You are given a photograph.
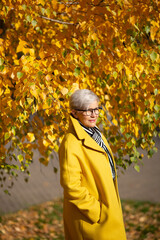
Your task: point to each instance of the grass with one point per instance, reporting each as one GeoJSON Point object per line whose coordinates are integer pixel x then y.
{"type": "Point", "coordinates": [44, 222]}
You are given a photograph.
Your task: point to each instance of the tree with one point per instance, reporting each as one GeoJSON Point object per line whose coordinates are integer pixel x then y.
{"type": "Point", "coordinates": [48, 49]}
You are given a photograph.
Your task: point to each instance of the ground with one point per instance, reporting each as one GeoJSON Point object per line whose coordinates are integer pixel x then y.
{"type": "Point", "coordinates": [44, 222]}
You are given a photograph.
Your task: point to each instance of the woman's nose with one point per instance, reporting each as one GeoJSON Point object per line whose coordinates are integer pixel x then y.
{"type": "Point", "coordinates": [93, 113]}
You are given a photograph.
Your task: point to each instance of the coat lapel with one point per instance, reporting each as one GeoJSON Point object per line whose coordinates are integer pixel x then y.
{"type": "Point", "coordinates": [81, 133]}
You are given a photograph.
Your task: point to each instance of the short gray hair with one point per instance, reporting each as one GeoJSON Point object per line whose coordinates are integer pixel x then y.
{"type": "Point", "coordinates": [82, 98]}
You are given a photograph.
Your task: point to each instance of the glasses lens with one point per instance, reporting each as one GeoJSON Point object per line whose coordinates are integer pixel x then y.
{"type": "Point", "coordinates": [91, 111]}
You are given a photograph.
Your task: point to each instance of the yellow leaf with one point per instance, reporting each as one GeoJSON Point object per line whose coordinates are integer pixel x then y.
{"type": "Point", "coordinates": [54, 3]}
{"type": "Point", "coordinates": [61, 7]}
{"type": "Point", "coordinates": [128, 73]}
{"type": "Point", "coordinates": [43, 96]}
{"type": "Point", "coordinates": [26, 68]}
{"type": "Point", "coordinates": [56, 72]}
{"type": "Point", "coordinates": [132, 20]}
{"type": "Point", "coordinates": [153, 32]}
{"type": "Point", "coordinates": [155, 23]}
{"type": "Point", "coordinates": [83, 26]}
{"type": "Point", "coordinates": [7, 91]}
{"type": "Point", "coordinates": [32, 52]}
{"type": "Point", "coordinates": [42, 2]}
{"type": "Point", "coordinates": [1, 91]}
{"type": "Point", "coordinates": [76, 58]}
{"type": "Point", "coordinates": [75, 86]}
{"type": "Point", "coordinates": [34, 91]}
{"type": "Point", "coordinates": [45, 106]}
{"type": "Point", "coordinates": [136, 130]}
{"type": "Point", "coordinates": [51, 138]}
{"type": "Point", "coordinates": [46, 143]}
{"type": "Point", "coordinates": [138, 74]}
{"type": "Point", "coordinates": [139, 67]}
{"type": "Point", "coordinates": [64, 91]}
{"type": "Point", "coordinates": [114, 121]}
{"type": "Point", "coordinates": [106, 97]}
{"type": "Point", "coordinates": [75, 40]}
{"type": "Point", "coordinates": [118, 52]}
{"type": "Point", "coordinates": [30, 137]}
{"type": "Point", "coordinates": [21, 46]}
{"type": "Point", "coordinates": [152, 102]}
{"type": "Point", "coordinates": [139, 111]}
{"type": "Point", "coordinates": [41, 54]}
{"type": "Point", "coordinates": [48, 77]}
{"type": "Point", "coordinates": [17, 25]}
{"type": "Point", "coordinates": [119, 66]}
{"type": "Point", "coordinates": [30, 100]}
{"type": "Point", "coordinates": [10, 103]}
{"type": "Point", "coordinates": [58, 44]}
{"type": "Point", "coordinates": [94, 36]}
{"type": "Point", "coordinates": [16, 62]}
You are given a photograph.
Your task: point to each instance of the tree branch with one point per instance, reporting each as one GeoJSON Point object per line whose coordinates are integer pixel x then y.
{"type": "Point", "coordinates": [55, 20]}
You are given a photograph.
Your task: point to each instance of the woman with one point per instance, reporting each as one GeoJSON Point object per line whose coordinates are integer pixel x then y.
{"type": "Point", "coordinates": [92, 208]}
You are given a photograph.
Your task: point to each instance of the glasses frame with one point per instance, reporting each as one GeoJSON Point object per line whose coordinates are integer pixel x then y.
{"type": "Point", "coordinates": [91, 110]}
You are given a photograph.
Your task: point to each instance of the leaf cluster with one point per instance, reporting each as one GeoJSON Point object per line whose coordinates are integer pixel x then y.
{"type": "Point", "coordinates": [48, 49]}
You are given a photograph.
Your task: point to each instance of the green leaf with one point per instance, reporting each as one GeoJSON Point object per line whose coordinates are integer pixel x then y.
{"type": "Point", "coordinates": [138, 51]}
{"type": "Point", "coordinates": [115, 74]}
{"type": "Point", "coordinates": [1, 61]}
{"type": "Point", "coordinates": [34, 23]}
{"type": "Point", "coordinates": [6, 136]}
{"type": "Point", "coordinates": [133, 46]}
{"type": "Point", "coordinates": [88, 63]}
{"type": "Point", "coordinates": [99, 81]}
{"type": "Point", "coordinates": [14, 130]}
{"type": "Point", "coordinates": [76, 45]}
{"type": "Point", "coordinates": [147, 29]}
{"type": "Point", "coordinates": [137, 168]}
{"type": "Point", "coordinates": [55, 170]}
{"type": "Point", "coordinates": [143, 75]}
{"type": "Point", "coordinates": [86, 52]}
{"type": "Point", "coordinates": [64, 53]}
{"type": "Point", "coordinates": [20, 157]}
{"type": "Point", "coordinates": [19, 75]}
{"type": "Point", "coordinates": [28, 18]}
{"type": "Point", "coordinates": [77, 71]}
{"type": "Point", "coordinates": [1, 68]}
{"type": "Point", "coordinates": [48, 11]}
{"type": "Point", "coordinates": [150, 153]}
{"type": "Point", "coordinates": [153, 56]}
{"type": "Point", "coordinates": [43, 10]}
{"type": "Point", "coordinates": [157, 107]}
{"type": "Point", "coordinates": [129, 144]}
{"type": "Point", "coordinates": [99, 52]}
{"type": "Point", "coordinates": [83, 58]}
{"type": "Point", "coordinates": [24, 6]}
{"type": "Point", "coordinates": [157, 116]}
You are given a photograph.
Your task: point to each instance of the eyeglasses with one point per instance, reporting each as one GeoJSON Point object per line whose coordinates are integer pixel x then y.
{"type": "Point", "coordinates": [90, 111]}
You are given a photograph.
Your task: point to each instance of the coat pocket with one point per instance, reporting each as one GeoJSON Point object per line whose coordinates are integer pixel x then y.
{"type": "Point", "coordinates": [91, 231]}
{"type": "Point", "coordinates": [104, 214]}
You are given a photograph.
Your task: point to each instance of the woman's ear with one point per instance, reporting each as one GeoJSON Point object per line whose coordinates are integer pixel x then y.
{"type": "Point", "coordinates": [74, 113]}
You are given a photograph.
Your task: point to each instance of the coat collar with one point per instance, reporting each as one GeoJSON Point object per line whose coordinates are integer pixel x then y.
{"type": "Point", "coordinates": [82, 135]}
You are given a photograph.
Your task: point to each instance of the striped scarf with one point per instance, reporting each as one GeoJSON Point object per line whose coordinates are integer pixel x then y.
{"type": "Point", "coordinates": [97, 136]}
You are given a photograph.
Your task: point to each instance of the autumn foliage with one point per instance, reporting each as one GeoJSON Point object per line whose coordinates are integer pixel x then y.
{"type": "Point", "coordinates": [48, 49]}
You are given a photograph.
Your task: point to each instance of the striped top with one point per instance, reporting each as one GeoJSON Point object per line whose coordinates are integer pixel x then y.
{"type": "Point", "coordinates": [97, 136]}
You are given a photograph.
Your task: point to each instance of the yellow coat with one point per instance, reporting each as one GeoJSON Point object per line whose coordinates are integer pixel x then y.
{"type": "Point", "coordinates": [92, 208]}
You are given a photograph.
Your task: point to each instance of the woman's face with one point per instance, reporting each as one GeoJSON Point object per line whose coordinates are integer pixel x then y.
{"type": "Point", "coordinates": [87, 121]}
